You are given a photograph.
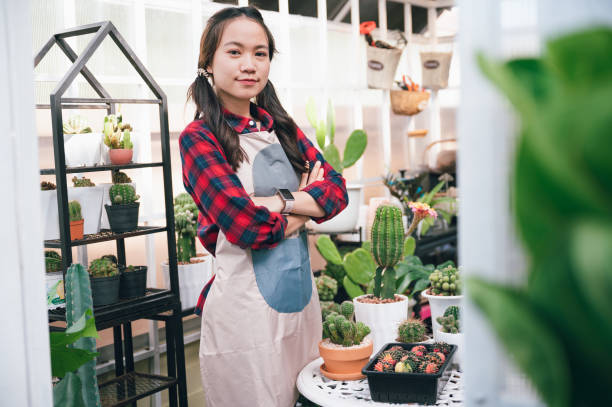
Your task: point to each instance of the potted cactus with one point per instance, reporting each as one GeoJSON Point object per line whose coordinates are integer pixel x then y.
{"type": "Point", "coordinates": [90, 197]}
{"type": "Point", "coordinates": [104, 276]}
{"type": "Point", "coordinates": [118, 141]}
{"type": "Point", "coordinates": [345, 349]}
{"type": "Point", "coordinates": [412, 331]}
{"type": "Point", "coordinates": [355, 146]}
{"type": "Point", "coordinates": [123, 211]}
{"type": "Point", "coordinates": [76, 220]}
{"type": "Point", "coordinates": [80, 144]}
{"type": "Point", "coordinates": [194, 271]}
{"type": "Point", "coordinates": [327, 288]}
{"type": "Point", "coordinates": [450, 330]}
{"type": "Point", "coordinates": [445, 291]}
{"type": "Point", "coordinates": [117, 177]}
{"type": "Point", "coordinates": [133, 281]}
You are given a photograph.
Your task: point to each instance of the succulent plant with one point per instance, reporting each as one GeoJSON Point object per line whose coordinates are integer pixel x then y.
{"type": "Point", "coordinates": [120, 177]}
{"type": "Point", "coordinates": [103, 267]}
{"type": "Point", "coordinates": [411, 330]}
{"type": "Point", "coordinates": [76, 125]}
{"type": "Point", "coordinates": [446, 282]}
{"type": "Point", "coordinates": [53, 261]}
{"type": "Point", "coordinates": [82, 182]}
{"type": "Point", "coordinates": [117, 133]}
{"type": "Point", "coordinates": [449, 324]}
{"type": "Point", "coordinates": [47, 186]}
{"type": "Point", "coordinates": [111, 257]}
{"type": "Point", "coordinates": [387, 248]}
{"type": "Point", "coordinates": [327, 307]}
{"type": "Point", "coordinates": [121, 194]}
{"type": "Point", "coordinates": [74, 210]}
{"type": "Point", "coordinates": [185, 224]}
{"type": "Point", "coordinates": [327, 287]}
{"type": "Point", "coordinates": [341, 328]}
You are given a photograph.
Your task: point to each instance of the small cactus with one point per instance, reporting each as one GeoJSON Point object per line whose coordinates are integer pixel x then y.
{"type": "Point", "coordinates": [82, 182]}
{"type": "Point", "coordinates": [53, 261]}
{"type": "Point", "coordinates": [341, 329]}
{"type": "Point", "coordinates": [185, 224]}
{"type": "Point", "coordinates": [121, 194]}
{"type": "Point", "coordinates": [117, 133]}
{"type": "Point", "coordinates": [446, 282]}
{"type": "Point", "coordinates": [387, 248]}
{"type": "Point", "coordinates": [120, 177]}
{"type": "Point", "coordinates": [47, 186]}
{"type": "Point", "coordinates": [449, 324]}
{"type": "Point", "coordinates": [327, 287]}
{"type": "Point", "coordinates": [103, 267]}
{"type": "Point", "coordinates": [411, 330]}
{"type": "Point", "coordinates": [74, 210]}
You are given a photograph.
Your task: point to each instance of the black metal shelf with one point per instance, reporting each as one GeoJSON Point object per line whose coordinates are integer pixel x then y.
{"type": "Point", "coordinates": [105, 235]}
{"type": "Point", "coordinates": [132, 386]}
{"type": "Point", "coordinates": [110, 167]}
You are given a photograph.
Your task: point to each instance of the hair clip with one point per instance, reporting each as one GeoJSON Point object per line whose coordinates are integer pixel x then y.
{"type": "Point", "coordinates": [203, 73]}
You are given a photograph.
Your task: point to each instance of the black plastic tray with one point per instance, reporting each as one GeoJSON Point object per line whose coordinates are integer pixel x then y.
{"type": "Point", "coordinates": [422, 388]}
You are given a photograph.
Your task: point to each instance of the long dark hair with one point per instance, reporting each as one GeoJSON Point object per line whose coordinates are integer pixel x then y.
{"type": "Point", "coordinates": [208, 106]}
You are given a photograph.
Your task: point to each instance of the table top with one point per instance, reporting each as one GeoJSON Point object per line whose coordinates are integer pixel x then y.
{"type": "Point", "coordinates": [330, 393]}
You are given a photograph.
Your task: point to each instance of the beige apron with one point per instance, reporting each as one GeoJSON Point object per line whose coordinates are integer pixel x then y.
{"type": "Point", "coordinates": [261, 321]}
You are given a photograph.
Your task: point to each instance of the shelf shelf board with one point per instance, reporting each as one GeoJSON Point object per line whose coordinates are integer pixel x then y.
{"type": "Point", "coordinates": [72, 170]}
{"type": "Point", "coordinates": [106, 235]}
{"type": "Point", "coordinates": [97, 103]}
{"type": "Point", "coordinates": [132, 386]}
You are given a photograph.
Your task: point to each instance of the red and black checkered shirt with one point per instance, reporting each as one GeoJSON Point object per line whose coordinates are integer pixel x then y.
{"type": "Point", "coordinates": [223, 202]}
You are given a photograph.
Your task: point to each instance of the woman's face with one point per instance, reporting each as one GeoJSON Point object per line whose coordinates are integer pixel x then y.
{"type": "Point", "coordinates": [241, 63]}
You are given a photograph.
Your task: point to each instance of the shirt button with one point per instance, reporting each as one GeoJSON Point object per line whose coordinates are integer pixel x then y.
{"type": "Point", "coordinates": [251, 123]}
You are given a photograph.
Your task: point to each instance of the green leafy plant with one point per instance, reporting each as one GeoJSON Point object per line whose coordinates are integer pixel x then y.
{"type": "Point", "coordinates": [411, 330]}
{"type": "Point", "coordinates": [434, 201]}
{"type": "Point", "coordinates": [416, 273]}
{"type": "Point", "coordinates": [558, 326]}
{"type": "Point", "coordinates": [325, 134]}
{"type": "Point", "coordinates": [117, 133]}
{"type": "Point", "coordinates": [103, 267]}
{"type": "Point", "coordinates": [185, 223]}
{"type": "Point", "coordinates": [121, 194]}
{"type": "Point", "coordinates": [82, 182]}
{"type": "Point", "coordinates": [327, 287]}
{"type": "Point", "coordinates": [341, 329]}
{"type": "Point", "coordinates": [74, 211]}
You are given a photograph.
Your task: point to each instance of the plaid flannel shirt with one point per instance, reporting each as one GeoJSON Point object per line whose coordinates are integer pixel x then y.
{"type": "Point", "coordinates": [225, 205]}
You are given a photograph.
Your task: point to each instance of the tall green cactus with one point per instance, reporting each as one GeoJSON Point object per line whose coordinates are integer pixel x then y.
{"type": "Point", "coordinates": [122, 194]}
{"type": "Point", "coordinates": [387, 248]}
{"type": "Point", "coordinates": [185, 224]}
{"type": "Point", "coordinates": [78, 303]}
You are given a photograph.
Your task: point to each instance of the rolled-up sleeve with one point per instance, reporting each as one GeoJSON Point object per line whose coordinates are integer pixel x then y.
{"type": "Point", "coordinates": [220, 196]}
{"type": "Point", "coordinates": [330, 193]}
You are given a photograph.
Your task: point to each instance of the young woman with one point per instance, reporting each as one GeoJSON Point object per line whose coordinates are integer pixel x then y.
{"type": "Point", "coordinates": [246, 165]}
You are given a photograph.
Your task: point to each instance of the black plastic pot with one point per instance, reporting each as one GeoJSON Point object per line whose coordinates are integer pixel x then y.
{"type": "Point", "coordinates": [104, 290]}
{"type": "Point", "coordinates": [133, 283]}
{"type": "Point", "coordinates": [123, 218]}
{"type": "Point", "coordinates": [421, 388]}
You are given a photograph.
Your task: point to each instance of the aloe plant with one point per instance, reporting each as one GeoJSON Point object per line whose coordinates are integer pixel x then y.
{"type": "Point", "coordinates": [325, 134]}
{"type": "Point", "coordinates": [558, 326]}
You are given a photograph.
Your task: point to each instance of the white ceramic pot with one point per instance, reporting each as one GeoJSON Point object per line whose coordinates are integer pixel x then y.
{"type": "Point", "coordinates": [345, 221]}
{"type": "Point", "coordinates": [82, 149]}
{"type": "Point", "coordinates": [192, 278]}
{"type": "Point", "coordinates": [383, 319]}
{"type": "Point", "coordinates": [438, 305]}
{"type": "Point", "coordinates": [135, 137]}
{"type": "Point", "coordinates": [106, 201]}
{"type": "Point", "coordinates": [90, 199]}
{"type": "Point", "coordinates": [453, 339]}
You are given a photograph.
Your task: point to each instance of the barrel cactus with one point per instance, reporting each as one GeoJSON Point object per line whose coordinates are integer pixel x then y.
{"type": "Point", "coordinates": [387, 247]}
{"type": "Point", "coordinates": [327, 288]}
{"type": "Point", "coordinates": [74, 211]}
{"type": "Point", "coordinates": [411, 330]}
{"type": "Point", "coordinates": [103, 267]}
{"type": "Point", "coordinates": [341, 329]}
{"type": "Point", "coordinates": [185, 224]}
{"type": "Point", "coordinates": [121, 194]}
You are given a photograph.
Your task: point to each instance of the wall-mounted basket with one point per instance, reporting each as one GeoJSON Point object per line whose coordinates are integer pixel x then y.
{"type": "Point", "coordinates": [436, 67]}
{"type": "Point", "coordinates": [407, 102]}
{"type": "Point", "coordinates": [382, 64]}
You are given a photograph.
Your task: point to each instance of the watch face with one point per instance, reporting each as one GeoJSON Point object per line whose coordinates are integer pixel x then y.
{"type": "Point", "coordinates": [286, 194]}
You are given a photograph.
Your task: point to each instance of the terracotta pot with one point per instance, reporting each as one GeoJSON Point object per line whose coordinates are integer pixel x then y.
{"type": "Point", "coordinates": [120, 156]}
{"type": "Point", "coordinates": [76, 229]}
{"type": "Point", "coordinates": [344, 363]}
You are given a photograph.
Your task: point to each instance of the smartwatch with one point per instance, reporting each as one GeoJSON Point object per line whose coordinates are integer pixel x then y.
{"type": "Point", "coordinates": [288, 200]}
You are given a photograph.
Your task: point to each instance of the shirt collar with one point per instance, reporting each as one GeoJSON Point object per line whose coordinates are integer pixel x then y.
{"type": "Point", "coordinates": [242, 125]}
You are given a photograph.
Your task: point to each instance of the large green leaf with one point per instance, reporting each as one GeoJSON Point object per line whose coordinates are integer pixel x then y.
{"type": "Point", "coordinates": [320, 134]}
{"type": "Point", "coordinates": [66, 359]}
{"type": "Point", "coordinates": [359, 266]}
{"type": "Point", "coordinates": [332, 156]}
{"type": "Point", "coordinates": [311, 112]}
{"type": "Point", "coordinates": [354, 148]}
{"type": "Point", "coordinates": [514, 318]}
{"type": "Point", "coordinates": [328, 250]}
{"type": "Point", "coordinates": [409, 246]}
{"type": "Point", "coordinates": [352, 289]}
{"type": "Point", "coordinates": [331, 122]}
{"type": "Point", "coordinates": [67, 393]}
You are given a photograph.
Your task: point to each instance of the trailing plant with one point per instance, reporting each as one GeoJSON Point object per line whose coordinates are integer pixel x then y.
{"type": "Point", "coordinates": [103, 267]}
{"type": "Point", "coordinates": [327, 287]}
{"type": "Point", "coordinates": [446, 281]}
{"type": "Point", "coordinates": [53, 261]}
{"type": "Point", "coordinates": [47, 186]}
{"type": "Point", "coordinates": [121, 194]}
{"type": "Point", "coordinates": [558, 326]}
{"type": "Point", "coordinates": [411, 330]}
{"type": "Point", "coordinates": [82, 182]}
{"type": "Point", "coordinates": [185, 223]}
{"type": "Point", "coordinates": [120, 177]}
{"type": "Point", "coordinates": [387, 248]}
{"type": "Point", "coordinates": [117, 133]}
{"type": "Point", "coordinates": [76, 125]}
{"type": "Point", "coordinates": [74, 210]}
{"type": "Point", "coordinates": [341, 329]}
{"type": "Point", "coordinates": [325, 134]}
{"type": "Point", "coordinates": [73, 351]}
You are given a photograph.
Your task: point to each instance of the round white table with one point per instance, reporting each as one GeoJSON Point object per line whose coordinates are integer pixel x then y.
{"type": "Point", "coordinates": [330, 393]}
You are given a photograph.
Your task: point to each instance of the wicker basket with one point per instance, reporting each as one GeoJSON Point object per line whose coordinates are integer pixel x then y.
{"type": "Point", "coordinates": [428, 148]}
{"type": "Point", "coordinates": [436, 67]}
{"type": "Point", "coordinates": [407, 102]}
{"type": "Point", "coordinates": [382, 64]}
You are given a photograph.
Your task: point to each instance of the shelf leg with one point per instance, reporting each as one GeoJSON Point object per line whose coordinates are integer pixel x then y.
{"type": "Point", "coordinates": [118, 344]}
{"type": "Point", "coordinates": [128, 347]}
{"type": "Point", "coordinates": [171, 357]}
{"type": "Point", "coordinates": [180, 358]}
